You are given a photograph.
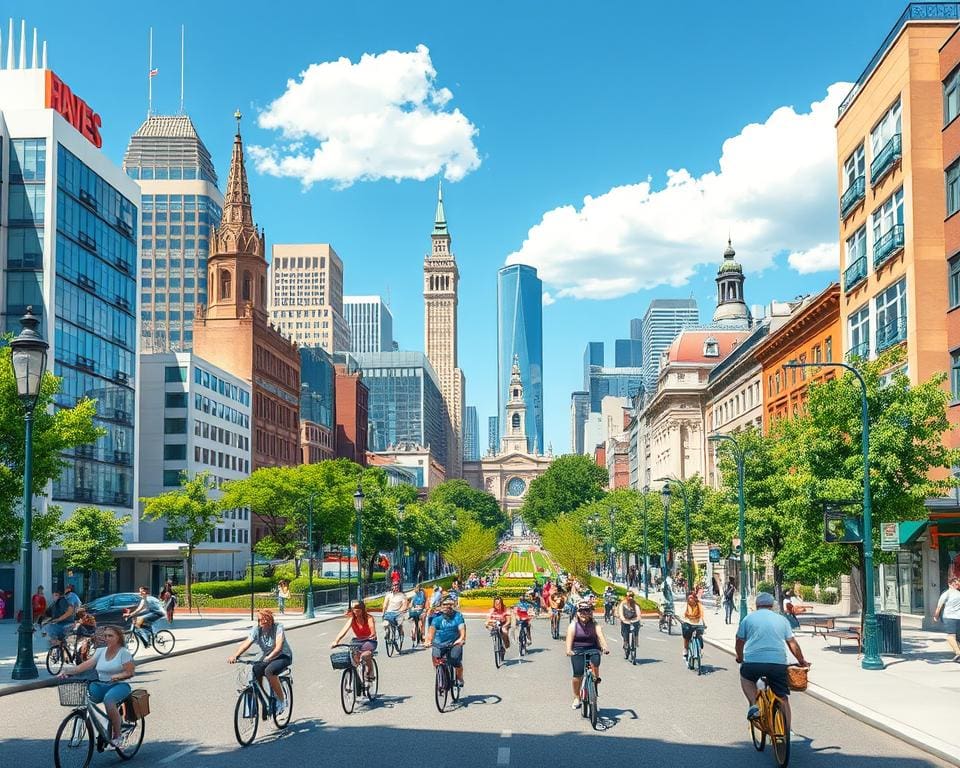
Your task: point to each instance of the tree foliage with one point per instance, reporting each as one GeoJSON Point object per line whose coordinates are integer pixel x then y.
{"type": "Point", "coordinates": [569, 482]}
{"type": "Point", "coordinates": [565, 540]}
{"type": "Point", "coordinates": [472, 549]}
{"type": "Point", "coordinates": [480, 505]}
{"type": "Point", "coordinates": [88, 538]}
{"type": "Point", "coordinates": [54, 431]}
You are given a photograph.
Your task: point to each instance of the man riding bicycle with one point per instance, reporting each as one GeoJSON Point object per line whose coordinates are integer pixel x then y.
{"type": "Point", "coordinates": [629, 614]}
{"type": "Point", "coordinates": [395, 604]}
{"type": "Point", "coordinates": [609, 600]}
{"type": "Point", "coordinates": [761, 637]}
{"type": "Point", "coordinates": [418, 602]}
{"type": "Point", "coordinates": [449, 630]}
{"type": "Point", "coordinates": [62, 615]}
{"type": "Point", "coordinates": [146, 611]}
{"type": "Point", "coordinates": [522, 612]}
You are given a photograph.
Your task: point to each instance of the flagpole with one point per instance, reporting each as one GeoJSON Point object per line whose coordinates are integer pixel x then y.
{"type": "Point", "coordinates": [150, 77]}
{"type": "Point", "coordinates": [181, 67]}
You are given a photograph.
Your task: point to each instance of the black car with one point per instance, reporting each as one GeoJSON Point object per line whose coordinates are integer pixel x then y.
{"type": "Point", "coordinates": [109, 608]}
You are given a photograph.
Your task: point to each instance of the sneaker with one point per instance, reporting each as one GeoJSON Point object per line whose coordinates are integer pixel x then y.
{"type": "Point", "coordinates": [685, 656]}
{"type": "Point", "coordinates": [576, 704]}
{"type": "Point", "coordinates": [753, 713]}
{"type": "Point", "coordinates": [115, 744]}
{"type": "Point", "coordinates": [458, 683]}
{"type": "Point", "coordinates": [281, 706]}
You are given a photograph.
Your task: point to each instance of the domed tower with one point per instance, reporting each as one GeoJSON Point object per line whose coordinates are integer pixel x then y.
{"type": "Point", "coordinates": [731, 309]}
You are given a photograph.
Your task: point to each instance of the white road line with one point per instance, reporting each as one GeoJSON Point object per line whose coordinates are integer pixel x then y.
{"type": "Point", "coordinates": [503, 756]}
{"type": "Point", "coordinates": [506, 734]}
{"type": "Point", "coordinates": [177, 755]}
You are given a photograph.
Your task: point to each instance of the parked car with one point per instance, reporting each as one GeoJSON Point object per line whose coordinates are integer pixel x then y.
{"type": "Point", "coordinates": [109, 608]}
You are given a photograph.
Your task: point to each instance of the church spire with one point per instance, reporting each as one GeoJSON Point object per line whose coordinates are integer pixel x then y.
{"type": "Point", "coordinates": [440, 220]}
{"type": "Point", "coordinates": [236, 206]}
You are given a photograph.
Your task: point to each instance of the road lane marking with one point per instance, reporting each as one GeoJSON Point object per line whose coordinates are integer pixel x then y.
{"type": "Point", "coordinates": [177, 755]}
{"type": "Point", "coordinates": [503, 756]}
{"type": "Point", "coordinates": [506, 734]}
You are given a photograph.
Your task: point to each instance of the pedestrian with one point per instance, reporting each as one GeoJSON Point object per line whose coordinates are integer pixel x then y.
{"type": "Point", "coordinates": [169, 599]}
{"type": "Point", "coordinates": [793, 607]}
{"type": "Point", "coordinates": [38, 605]}
{"type": "Point", "coordinates": [3, 606]}
{"type": "Point", "coordinates": [716, 594]}
{"type": "Point", "coordinates": [728, 592]}
{"type": "Point", "coordinates": [948, 610]}
{"type": "Point", "coordinates": [283, 594]}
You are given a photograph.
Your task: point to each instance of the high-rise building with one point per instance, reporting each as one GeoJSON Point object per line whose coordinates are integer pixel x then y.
{"type": "Point", "coordinates": [662, 322]}
{"type": "Point", "coordinates": [628, 353]}
{"type": "Point", "coordinates": [593, 356]}
{"type": "Point", "coordinates": [636, 328]}
{"type": "Point", "coordinates": [233, 331]}
{"type": "Point", "coordinates": [613, 382]}
{"type": "Point", "coordinates": [180, 203]}
{"type": "Point", "coordinates": [404, 404]}
{"type": "Point", "coordinates": [440, 297]}
{"type": "Point", "coordinates": [69, 232]}
{"type": "Point", "coordinates": [370, 322]}
{"type": "Point", "coordinates": [520, 337]}
{"type": "Point", "coordinates": [471, 434]}
{"type": "Point", "coordinates": [493, 434]}
{"type": "Point", "coordinates": [350, 401]}
{"type": "Point", "coordinates": [306, 295]}
{"type": "Point", "coordinates": [317, 407]}
{"type": "Point", "coordinates": [579, 411]}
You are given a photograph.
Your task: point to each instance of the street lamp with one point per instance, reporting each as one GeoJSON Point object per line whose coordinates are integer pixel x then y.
{"type": "Point", "coordinates": [399, 559]}
{"type": "Point", "coordinates": [686, 525]}
{"type": "Point", "coordinates": [646, 552]}
{"type": "Point", "coordinates": [358, 506]}
{"type": "Point", "coordinates": [665, 493]}
{"type": "Point", "coordinates": [29, 355]}
{"type": "Point", "coordinates": [611, 512]}
{"type": "Point", "coordinates": [310, 612]}
{"type": "Point", "coordinates": [739, 455]}
{"type": "Point", "coordinates": [871, 655]}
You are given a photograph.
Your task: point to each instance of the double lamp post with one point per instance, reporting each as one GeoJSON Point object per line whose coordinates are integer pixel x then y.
{"type": "Point", "coordinates": [666, 493]}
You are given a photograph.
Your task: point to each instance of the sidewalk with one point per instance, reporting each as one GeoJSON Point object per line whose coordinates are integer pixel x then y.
{"type": "Point", "coordinates": [192, 633]}
{"type": "Point", "coordinates": [915, 698]}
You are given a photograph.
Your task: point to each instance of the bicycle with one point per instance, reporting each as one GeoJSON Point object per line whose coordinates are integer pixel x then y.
{"type": "Point", "coordinates": [588, 686]}
{"type": "Point", "coordinates": [630, 643]}
{"type": "Point", "coordinates": [523, 637]}
{"type": "Point", "coordinates": [446, 687]}
{"type": "Point", "coordinates": [499, 651]}
{"type": "Point", "coordinates": [695, 647]}
{"type": "Point", "coordinates": [772, 722]}
{"type": "Point", "coordinates": [88, 726]}
{"type": "Point", "coordinates": [608, 616]}
{"type": "Point", "coordinates": [352, 682]}
{"type": "Point", "coordinates": [555, 623]}
{"type": "Point", "coordinates": [61, 653]}
{"type": "Point", "coordinates": [667, 619]}
{"type": "Point", "coordinates": [417, 629]}
{"type": "Point", "coordinates": [162, 641]}
{"type": "Point", "coordinates": [255, 703]}
{"type": "Point", "coordinates": [393, 637]}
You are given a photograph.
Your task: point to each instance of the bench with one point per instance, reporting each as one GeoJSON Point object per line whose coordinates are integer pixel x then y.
{"type": "Point", "coordinates": [820, 625]}
{"type": "Point", "coordinates": [851, 633]}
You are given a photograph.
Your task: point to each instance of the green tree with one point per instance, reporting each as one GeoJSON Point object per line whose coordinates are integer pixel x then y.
{"type": "Point", "coordinates": [55, 430]}
{"type": "Point", "coordinates": [472, 549]}
{"type": "Point", "coordinates": [270, 493]}
{"type": "Point", "coordinates": [565, 540]}
{"type": "Point", "coordinates": [88, 538]}
{"type": "Point", "coordinates": [480, 505]}
{"type": "Point", "coordinates": [189, 514]}
{"type": "Point", "coordinates": [569, 482]}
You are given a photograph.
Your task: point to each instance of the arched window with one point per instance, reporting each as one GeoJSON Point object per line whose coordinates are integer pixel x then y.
{"type": "Point", "coordinates": [515, 422]}
{"type": "Point", "coordinates": [516, 393]}
{"type": "Point", "coordinates": [224, 284]}
{"type": "Point", "coordinates": [247, 287]}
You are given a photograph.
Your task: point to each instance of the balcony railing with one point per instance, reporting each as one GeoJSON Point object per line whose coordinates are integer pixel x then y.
{"type": "Point", "coordinates": [854, 194]}
{"type": "Point", "coordinates": [855, 273]}
{"type": "Point", "coordinates": [888, 244]}
{"type": "Point", "coordinates": [885, 160]}
{"type": "Point", "coordinates": [861, 350]}
{"type": "Point", "coordinates": [891, 333]}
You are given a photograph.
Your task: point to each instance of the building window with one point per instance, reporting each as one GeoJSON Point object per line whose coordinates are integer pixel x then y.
{"type": "Point", "coordinates": [171, 478]}
{"type": "Point", "coordinates": [951, 96]}
{"type": "Point", "coordinates": [828, 349]}
{"type": "Point", "coordinates": [711, 348]}
{"type": "Point", "coordinates": [954, 281]}
{"type": "Point", "coordinates": [175, 400]}
{"type": "Point", "coordinates": [173, 374]}
{"type": "Point", "coordinates": [858, 325]}
{"type": "Point", "coordinates": [891, 310]}
{"type": "Point", "coordinates": [854, 168]}
{"type": "Point", "coordinates": [886, 217]}
{"type": "Point", "coordinates": [888, 127]}
{"type": "Point", "coordinates": [175, 451]}
{"type": "Point", "coordinates": [174, 426]}
{"type": "Point", "coordinates": [817, 354]}
{"type": "Point", "coordinates": [953, 188]}
{"type": "Point", "coordinates": [803, 371]}
{"type": "Point", "coordinates": [955, 375]}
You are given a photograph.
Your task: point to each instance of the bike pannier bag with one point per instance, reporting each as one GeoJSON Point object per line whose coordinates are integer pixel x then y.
{"type": "Point", "coordinates": [141, 702]}
{"type": "Point", "coordinates": [797, 678]}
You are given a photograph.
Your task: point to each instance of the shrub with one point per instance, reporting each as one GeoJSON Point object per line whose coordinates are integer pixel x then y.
{"type": "Point", "coordinates": [217, 589]}
{"type": "Point", "coordinates": [766, 586]}
{"type": "Point", "coordinates": [492, 592]}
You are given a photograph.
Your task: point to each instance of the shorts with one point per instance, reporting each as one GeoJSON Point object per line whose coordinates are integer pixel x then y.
{"type": "Point", "coordinates": [455, 652]}
{"type": "Point", "coordinates": [149, 618]}
{"type": "Point", "coordinates": [108, 693]}
{"type": "Point", "coordinates": [415, 615]}
{"type": "Point", "coordinates": [953, 627]}
{"type": "Point", "coordinates": [579, 663]}
{"type": "Point", "coordinates": [55, 631]}
{"type": "Point", "coordinates": [776, 675]}
{"type": "Point", "coordinates": [364, 645]}
{"type": "Point", "coordinates": [273, 667]}
{"type": "Point", "coordinates": [391, 617]}
{"type": "Point", "coordinates": [686, 629]}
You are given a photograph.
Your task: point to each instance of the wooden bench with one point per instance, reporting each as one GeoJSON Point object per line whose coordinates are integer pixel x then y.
{"type": "Point", "coordinates": [820, 625]}
{"type": "Point", "coordinates": [851, 633]}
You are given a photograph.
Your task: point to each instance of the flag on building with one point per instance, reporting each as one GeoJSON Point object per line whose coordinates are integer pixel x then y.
{"type": "Point", "coordinates": [154, 71]}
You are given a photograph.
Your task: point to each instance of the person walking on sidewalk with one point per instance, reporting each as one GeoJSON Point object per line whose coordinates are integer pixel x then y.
{"type": "Point", "coordinates": [38, 605]}
{"type": "Point", "coordinates": [948, 609]}
{"type": "Point", "coordinates": [728, 592]}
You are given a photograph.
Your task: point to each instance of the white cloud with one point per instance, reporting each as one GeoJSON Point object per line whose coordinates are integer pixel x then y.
{"type": "Point", "coordinates": [547, 299]}
{"type": "Point", "coordinates": [383, 117]}
{"type": "Point", "coordinates": [824, 257]}
{"type": "Point", "coordinates": [775, 191]}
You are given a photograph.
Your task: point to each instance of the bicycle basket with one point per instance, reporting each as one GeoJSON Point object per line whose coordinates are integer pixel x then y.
{"type": "Point", "coordinates": [72, 694]}
{"type": "Point", "coordinates": [797, 678]}
{"type": "Point", "coordinates": [340, 660]}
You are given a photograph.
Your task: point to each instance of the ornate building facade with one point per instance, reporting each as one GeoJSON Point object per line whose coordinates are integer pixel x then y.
{"type": "Point", "coordinates": [440, 295]}
{"type": "Point", "coordinates": [232, 331]}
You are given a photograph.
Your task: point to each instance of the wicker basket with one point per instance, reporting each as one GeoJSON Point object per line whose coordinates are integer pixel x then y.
{"type": "Point", "coordinates": [797, 678]}
{"type": "Point", "coordinates": [340, 660]}
{"type": "Point", "coordinates": [72, 694]}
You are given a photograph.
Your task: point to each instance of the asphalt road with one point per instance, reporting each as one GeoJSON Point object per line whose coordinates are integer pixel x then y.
{"type": "Point", "coordinates": [656, 713]}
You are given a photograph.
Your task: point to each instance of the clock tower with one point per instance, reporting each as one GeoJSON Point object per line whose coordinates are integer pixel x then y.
{"type": "Point", "coordinates": [514, 438]}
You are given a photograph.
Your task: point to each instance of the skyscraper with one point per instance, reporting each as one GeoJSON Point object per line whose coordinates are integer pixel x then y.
{"type": "Point", "coordinates": [593, 355]}
{"type": "Point", "coordinates": [306, 296]}
{"type": "Point", "coordinates": [180, 203]}
{"type": "Point", "coordinates": [579, 411]}
{"type": "Point", "coordinates": [628, 353]}
{"type": "Point", "coordinates": [471, 434]}
{"type": "Point", "coordinates": [636, 328]}
{"type": "Point", "coordinates": [520, 335]}
{"type": "Point", "coordinates": [493, 434]}
{"type": "Point", "coordinates": [440, 297]}
{"type": "Point", "coordinates": [370, 322]}
{"type": "Point", "coordinates": [663, 320]}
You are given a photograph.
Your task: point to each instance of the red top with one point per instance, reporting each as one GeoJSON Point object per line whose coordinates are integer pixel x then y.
{"type": "Point", "coordinates": [38, 604]}
{"type": "Point", "coordinates": [360, 631]}
{"type": "Point", "coordinates": [502, 616]}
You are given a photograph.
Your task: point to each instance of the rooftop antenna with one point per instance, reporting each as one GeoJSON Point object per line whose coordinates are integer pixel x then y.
{"type": "Point", "coordinates": [182, 34]}
{"type": "Point", "coordinates": [150, 74]}
{"type": "Point", "coordinates": [10, 46]}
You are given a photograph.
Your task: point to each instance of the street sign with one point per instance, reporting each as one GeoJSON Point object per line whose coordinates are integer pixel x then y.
{"type": "Point", "coordinates": [714, 554]}
{"type": "Point", "coordinates": [890, 537]}
{"type": "Point", "coordinates": [839, 527]}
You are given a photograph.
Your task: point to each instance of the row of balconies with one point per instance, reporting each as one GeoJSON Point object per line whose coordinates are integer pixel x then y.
{"type": "Point", "coordinates": [884, 249]}
{"type": "Point", "coordinates": [888, 335]}
{"type": "Point", "coordinates": [885, 161]}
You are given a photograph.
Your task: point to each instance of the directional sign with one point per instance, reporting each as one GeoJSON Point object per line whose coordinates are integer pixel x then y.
{"type": "Point", "coordinates": [890, 537]}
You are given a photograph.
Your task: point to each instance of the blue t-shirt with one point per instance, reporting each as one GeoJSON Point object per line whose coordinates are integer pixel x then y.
{"type": "Point", "coordinates": [766, 634]}
{"type": "Point", "coordinates": [418, 600]}
{"type": "Point", "coordinates": [71, 599]}
{"type": "Point", "coordinates": [446, 630]}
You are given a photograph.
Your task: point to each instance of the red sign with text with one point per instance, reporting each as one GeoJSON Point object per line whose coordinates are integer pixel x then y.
{"type": "Point", "coordinates": [73, 109]}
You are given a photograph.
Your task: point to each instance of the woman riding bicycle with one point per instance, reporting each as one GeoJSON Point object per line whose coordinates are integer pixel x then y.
{"type": "Point", "coordinates": [418, 602]}
{"type": "Point", "coordinates": [500, 616]}
{"type": "Point", "coordinates": [275, 653]}
{"type": "Point", "coordinates": [364, 629]}
{"type": "Point", "coordinates": [584, 634]}
{"type": "Point", "coordinates": [629, 614]}
{"type": "Point", "coordinates": [692, 620]}
{"type": "Point", "coordinates": [113, 663]}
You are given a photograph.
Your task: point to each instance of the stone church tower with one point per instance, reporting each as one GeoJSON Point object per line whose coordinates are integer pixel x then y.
{"type": "Point", "coordinates": [514, 438]}
{"type": "Point", "coordinates": [731, 311]}
{"type": "Point", "coordinates": [440, 290]}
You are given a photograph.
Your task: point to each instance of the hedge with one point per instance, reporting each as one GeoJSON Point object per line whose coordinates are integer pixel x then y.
{"type": "Point", "coordinates": [217, 589]}
{"type": "Point", "coordinates": [597, 585]}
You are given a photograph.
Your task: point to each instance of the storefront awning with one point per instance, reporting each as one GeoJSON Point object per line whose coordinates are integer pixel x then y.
{"type": "Point", "coordinates": [911, 530]}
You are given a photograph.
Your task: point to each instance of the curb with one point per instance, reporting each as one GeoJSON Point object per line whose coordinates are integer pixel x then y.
{"type": "Point", "coordinates": [51, 682]}
{"type": "Point", "coordinates": [898, 730]}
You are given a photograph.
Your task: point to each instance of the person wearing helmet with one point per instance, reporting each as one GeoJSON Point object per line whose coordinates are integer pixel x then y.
{"type": "Point", "coordinates": [584, 634]}
{"type": "Point", "coordinates": [522, 612]}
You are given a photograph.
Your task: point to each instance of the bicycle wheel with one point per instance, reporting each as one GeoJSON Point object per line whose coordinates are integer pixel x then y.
{"type": "Point", "coordinates": [780, 735]}
{"type": "Point", "coordinates": [522, 641]}
{"type": "Point", "coordinates": [132, 642]}
{"type": "Point", "coordinates": [497, 650]}
{"type": "Point", "coordinates": [281, 721]}
{"type": "Point", "coordinates": [372, 687]}
{"type": "Point", "coordinates": [55, 660]}
{"type": "Point", "coordinates": [454, 688]}
{"type": "Point", "coordinates": [348, 690]}
{"type": "Point", "coordinates": [633, 649]}
{"type": "Point", "coordinates": [399, 641]}
{"type": "Point", "coordinates": [73, 747]}
{"type": "Point", "coordinates": [757, 733]}
{"type": "Point", "coordinates": [592, 693]}
{"type": "Point", "coordinates": [246, 717]}
{"type": "Point", "coordinates": [163, 642]}
{"type": "Point", "coordinates": [389, 640]}
{"type": "Point", "coordinates": [131, 737]}
{"type": "Point", "coordinates": [441, 688]}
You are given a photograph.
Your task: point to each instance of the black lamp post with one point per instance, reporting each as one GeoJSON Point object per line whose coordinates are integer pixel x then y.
{"type": "Point", "coordinates": [398, 562]}
{"type": "Point", "coordinates": [358, 506]}
{"type": "Point", "coordinates": [667, 591]}
{"type": "Point", "coordinates": [739, 456]}
{"type": "Point", "coordinates": [29, 354]}
{"type": "Point", "coordinates": [646, 551]}
{"type": "Point", "coordinates": [611, 514]}
{"type": "Point", "coordinates": [310, 614]}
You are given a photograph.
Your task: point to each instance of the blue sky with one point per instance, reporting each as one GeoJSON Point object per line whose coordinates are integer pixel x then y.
{"type": "Point", "coordinates": [526, 113]}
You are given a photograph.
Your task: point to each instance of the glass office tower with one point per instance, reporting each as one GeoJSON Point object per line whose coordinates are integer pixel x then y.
{"type": "Point", "coordinates": [520, 333]}
{"type": "Point", "coordinates": [471, 434]}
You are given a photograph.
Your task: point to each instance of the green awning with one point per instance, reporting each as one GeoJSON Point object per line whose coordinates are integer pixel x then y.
{"type": "Point", "coordinates": [910, 531]}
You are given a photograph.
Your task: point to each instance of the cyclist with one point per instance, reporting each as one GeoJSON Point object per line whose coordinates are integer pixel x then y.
{"type": "Point", "coordinates": [454, 592]}
{"type": "Point", "coordinates": [522, 612]}
{"type": "Point", "coordinates": [760, 653]}
{"type": "Point", "coordinates": [275, 653]}
{"type": "Point", "coordinates": [63, 613]}
{"type": "Point", "coordinates": [629, 614]}
{"type": "Point", "coordinates": [146, 612]}
{"type": "Point", "coordinates": [86, 630]}
{"type": "Point", "coordinates": [450, 632]}
{"type": "Point", "coordinates": [435, 597]}
{"type": "Point", "coordinates": [609, 600]}
{"type": "Point", "coordinates": [395, 604]}
{"type": "Point", "coordinates": [500, 617]}
{"type": "Point", "coordinates": [557, 602]}
{"type": "Point", "coordinates": [364, 629]}
{"type": "Point", "coordinates": [114, 664]}
{"type": "Point", "coordinates": [692, 620]}
{"type": "Point", "coordinates": [418, 602]}
{"type": "Point", "coordinates": [584, 634]}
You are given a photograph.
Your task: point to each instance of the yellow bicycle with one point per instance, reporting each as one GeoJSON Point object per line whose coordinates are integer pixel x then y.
{"type": "Point", "coordinates": [772, 722]}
